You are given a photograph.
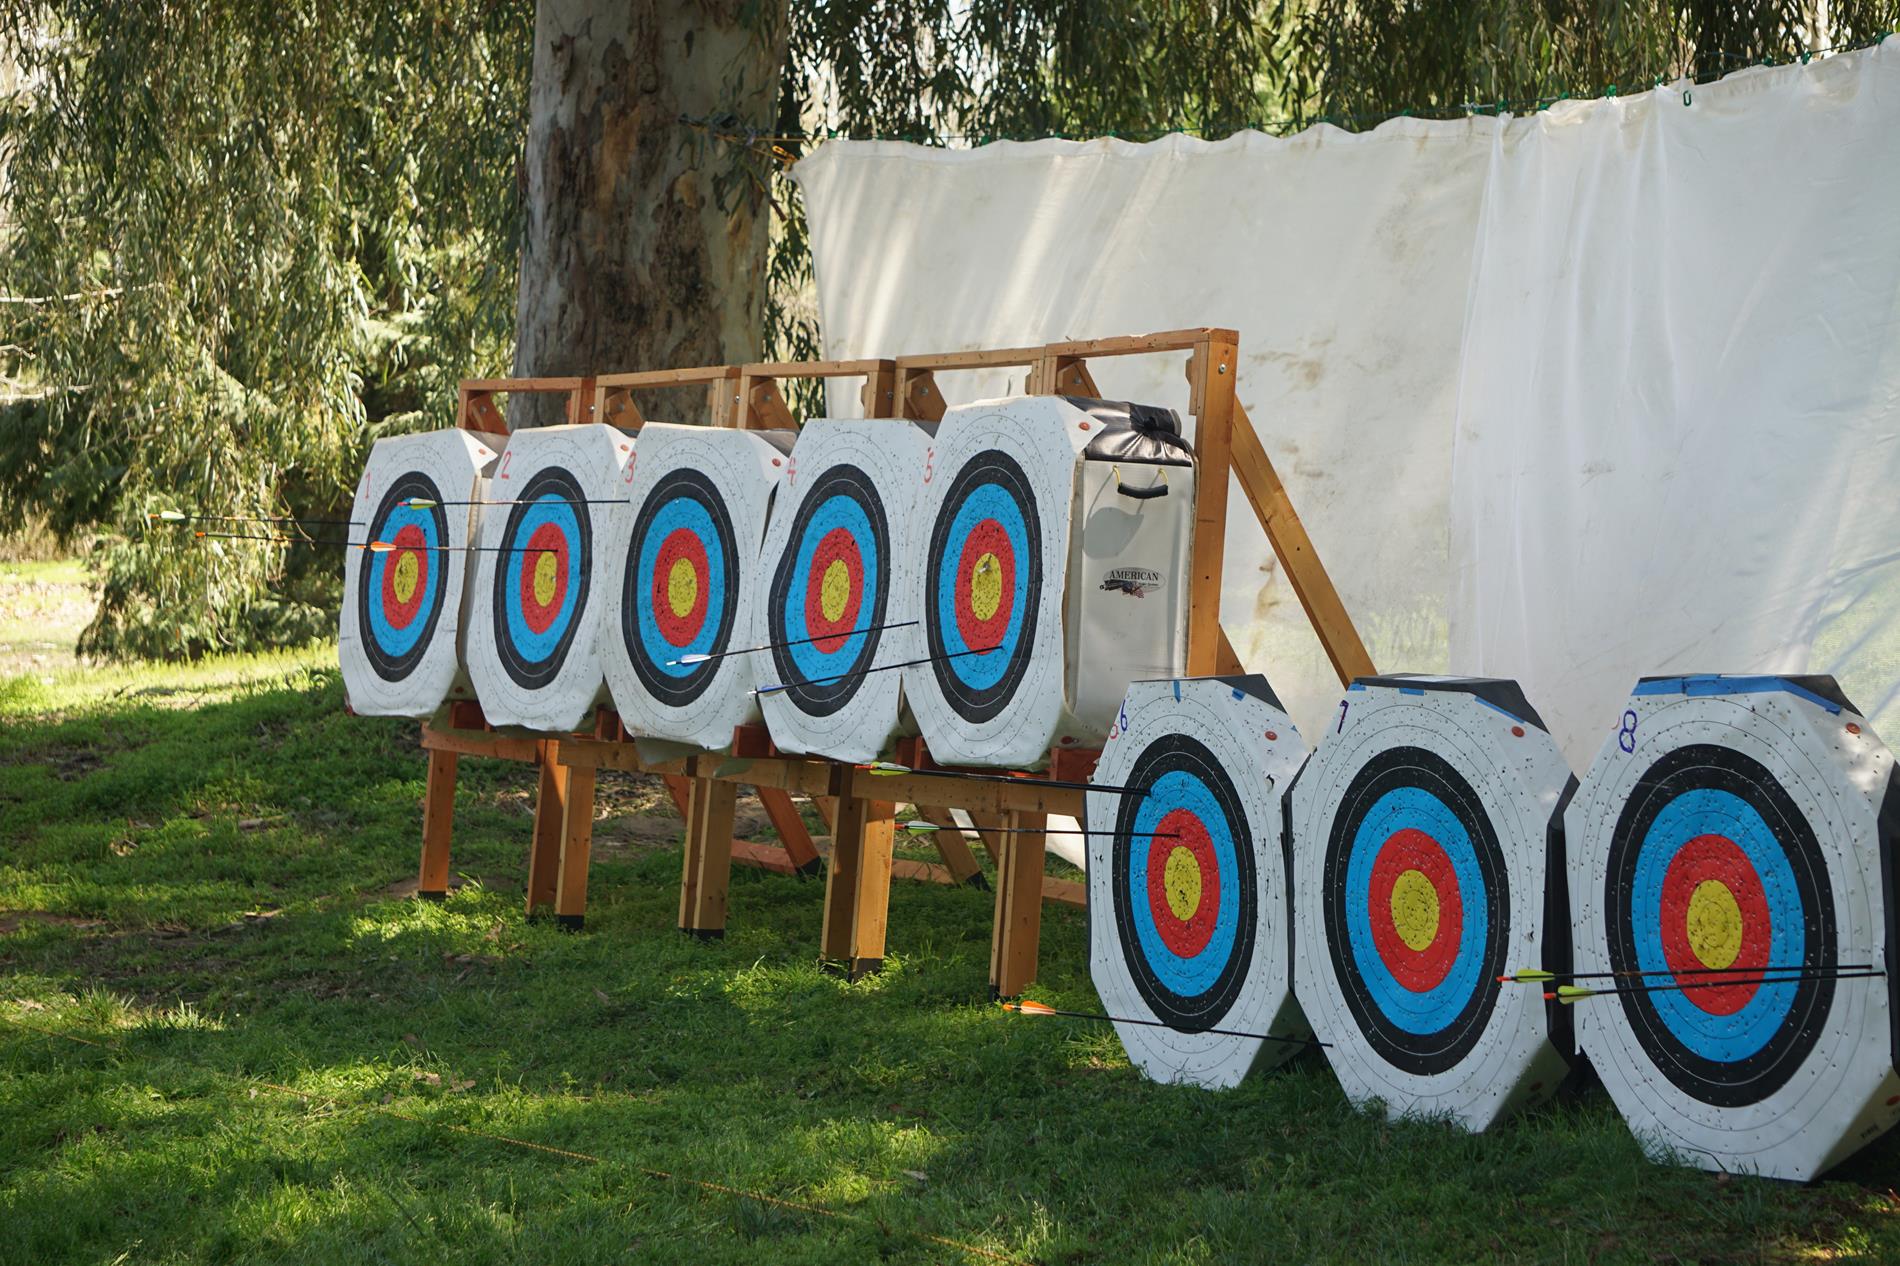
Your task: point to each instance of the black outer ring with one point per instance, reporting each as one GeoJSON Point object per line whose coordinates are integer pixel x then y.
{"type": "Point", "coordinates": [1397, 767]}
{"type": "Point", "coordinates": [997, 467]}
{"type": "Point", "coordinates": [524, 672]}
{"type": "Point", "coordinates": [1709, 766]}
{"type": "Point", "coordinates": [827, 698]}
{"type": "Point", "coordinates": [410, 485]}
{"type": "Point", "coordinates": [677, 692]}
{"type": "Point", "coordinates": [1165, 755]}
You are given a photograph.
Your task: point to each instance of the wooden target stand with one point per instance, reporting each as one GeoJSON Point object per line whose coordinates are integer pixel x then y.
{"type": "Point", "coordinates": [861, 806]}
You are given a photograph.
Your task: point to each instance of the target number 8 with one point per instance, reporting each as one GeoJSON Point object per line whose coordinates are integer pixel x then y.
{"type": "Point", "coordinates": [1626, 737]}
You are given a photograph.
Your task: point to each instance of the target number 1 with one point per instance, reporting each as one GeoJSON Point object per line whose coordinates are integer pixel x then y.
{"type": "Point", "coordinates": [1341, 727]}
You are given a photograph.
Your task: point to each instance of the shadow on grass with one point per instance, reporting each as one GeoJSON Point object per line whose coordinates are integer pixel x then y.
{"type": "Point", "coordinates": [230, 863]}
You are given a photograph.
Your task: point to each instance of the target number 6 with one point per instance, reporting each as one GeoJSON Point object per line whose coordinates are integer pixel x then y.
{"type": "Point", "coordinates": [1626, 737]}
{"type": "Point", "coordinates": [930, 467]}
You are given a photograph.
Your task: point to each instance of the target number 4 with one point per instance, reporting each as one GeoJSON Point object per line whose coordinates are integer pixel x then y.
{"type": "Point", "coordinates": [1626, 737]}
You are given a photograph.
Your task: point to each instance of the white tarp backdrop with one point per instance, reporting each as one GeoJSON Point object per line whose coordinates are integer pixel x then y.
{"type": "Point", "coordinates": [1608, 391]}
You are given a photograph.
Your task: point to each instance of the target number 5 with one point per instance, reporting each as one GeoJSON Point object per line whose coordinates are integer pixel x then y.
{"type": "Point", "coordinates": [1626, 737]}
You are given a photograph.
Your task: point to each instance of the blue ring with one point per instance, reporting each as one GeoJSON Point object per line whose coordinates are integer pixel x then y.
{"type": "Point", "coordinates": [985, 501]}
{"type": "Point", "coordinates": [685, 513]}
{"type": "Point", "coordinates": [1184, 977]}
{"type": "Point", "coordinates": [535, 648]}
{"type": "Point", "coordinates": [811, 663]}
{"type": "Point", "coordinates": [1439, 1007]}
{"type": "Point", "coordinates": [396, 642]}
{"type": "Point", "coordinates": [1708, 811]}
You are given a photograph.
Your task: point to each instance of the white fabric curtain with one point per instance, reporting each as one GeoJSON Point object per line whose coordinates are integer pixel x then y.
{"type": "Point", "coordinates": [1609, 391]}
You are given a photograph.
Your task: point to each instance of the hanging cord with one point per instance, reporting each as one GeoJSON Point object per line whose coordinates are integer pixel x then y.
{"type": "Point", "coordinates": [797, 1206]}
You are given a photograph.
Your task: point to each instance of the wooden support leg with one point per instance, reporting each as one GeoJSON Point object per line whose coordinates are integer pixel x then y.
{"type": "Point", "coordinates": [544, 857]}
{"type": "Point", "coordinates": [954, 849]}
{"type": "Point", "coordinates": [858, 887]}
{"type": "Point", "coordinates": [438, 824]}
{"type": "Point", "coordinates": [791, 830]}
{"type": "Point", "coordinates": [707, 870]}
{"type": "Point", "coordinates": [577, 846]}
{"type": "Point", "coordinates": [1017, 932]}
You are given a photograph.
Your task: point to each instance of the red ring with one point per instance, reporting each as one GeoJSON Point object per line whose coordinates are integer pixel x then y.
{"type": "Point", "coordinates": [545, 539]}
{"type": "Point", "coordinates": [1719, 858]}
{"type": "Point", "coordinates": [1180, 828]}
{"type": "Point", "coordinates": [987, 537]}
{"type": "Point", "coordinates": [408, 539]}
{"type": "Point", "coordinates": [1412, 849]}
{"type": "Point", "coordinates": [837, 545]}
{"type": "Point", "coordinates": [680, 630]}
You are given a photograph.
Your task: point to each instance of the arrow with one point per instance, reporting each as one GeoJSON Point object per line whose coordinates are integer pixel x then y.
{"type": "Point", "coordinates": [1036, 1008]}
{"type": "Point", "coordinates": [881, 668]}
{"type": "Point", "coordinates": [375, 547]}
{"type": "Point", "coordinates": [924, 828]}
{"type": "Point", "coordinates": [1535, 975]}
{"type": "Point", "coordinates": [886, 769]}
{"type": "Point", "coordinates": [769, 646]}
{"type": "Point", "coordinates": [1574, 993]}
{"type": "Point", "coordinates": [424, 503]}
{"type": "Point", "coordinates": [179, 516]}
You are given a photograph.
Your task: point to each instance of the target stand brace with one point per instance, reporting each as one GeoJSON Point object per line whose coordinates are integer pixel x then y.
{"type": "Point", "coordinates": [860, 807]}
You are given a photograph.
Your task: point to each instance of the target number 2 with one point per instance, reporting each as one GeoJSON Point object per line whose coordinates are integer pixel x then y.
{"type": "Point", "coordinates": [1626, 737]}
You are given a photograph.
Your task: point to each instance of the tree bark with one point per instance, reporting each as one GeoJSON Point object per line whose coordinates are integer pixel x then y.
{"type": "Point", "coordinates": [644, 241]}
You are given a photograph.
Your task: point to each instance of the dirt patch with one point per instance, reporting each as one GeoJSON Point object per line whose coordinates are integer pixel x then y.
{"type": "Point", "coordinates": [67, 763]}
{"type": "Point", "coordinates": [13, 920]}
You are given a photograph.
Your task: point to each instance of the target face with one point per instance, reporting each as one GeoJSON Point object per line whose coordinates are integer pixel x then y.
{"type": "Point", "coordinates": [682, 586]}
{"type": "Point", "coordinates": [1187, 883]}
{"type": "Point", "coordinates": [533, 657]}
{"type": "Point", "coordinates": [683, 570]}
{"type": "Point", "coordinates": [1421, 828]}
{"type": "Point", "coordinates": [984, 583]}
{"type": "Point", "coordinates": [401, 598]}
{"type": "Point", "coordinates": [836, 573]}
{"type": "Point", "coordinates": [995, 520]}
{"type": "Point", "coordinates": [399, 640]}
{"type": "Point", "coordinates": [541, 578]}
{"type": "Point", "coordinates": [1729, 839]}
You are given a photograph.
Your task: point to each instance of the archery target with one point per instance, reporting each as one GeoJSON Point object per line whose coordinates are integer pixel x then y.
{"type": "Point", "coordinates": [994, 524]}
{"type": "Point", "coordinates": [400, 636]}
{"type": "Point", "coordinates": [836, 578]}
{"type": "Point", "coordinates": [1188, 915]}
{"type": "Point", "coordinates": [1736, 823]}
{"type": "Point", "coordinates": [681, 573]}
{"type": "Point", "coordinates": [532, 656]}
{"type": "Point", "coordinates": [1420, 832]}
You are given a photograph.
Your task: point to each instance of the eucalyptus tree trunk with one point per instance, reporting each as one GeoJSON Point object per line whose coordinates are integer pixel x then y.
{"type": "Point", "coordinates": [644, 241]}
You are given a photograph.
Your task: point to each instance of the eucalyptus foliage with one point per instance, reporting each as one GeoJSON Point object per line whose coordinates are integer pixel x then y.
{"type": "Point", "coordinates": [242, 238]}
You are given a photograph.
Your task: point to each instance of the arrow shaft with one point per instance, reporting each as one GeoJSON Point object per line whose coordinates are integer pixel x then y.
{"type": "Point", "coordinates": [393, 547]}
{"type": "Point", "coordinates": [880, 668]}
{"type": "Point", "coordinates": [1690, 971]}
{"type": "Point", "coordinates": [1758, 979]}
{"type": "Point", "coordinates": [801, 641]}
{"type": "Point", "coordinates": [1037, 830]}
{"type": "Point", "coordinates": [1163, 1024]}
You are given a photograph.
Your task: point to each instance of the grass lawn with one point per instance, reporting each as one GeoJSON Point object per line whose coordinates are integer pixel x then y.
{"type": "Point", "coordinates": [201, 874]}
{"type": "Point", "coordinates": [43, 606]}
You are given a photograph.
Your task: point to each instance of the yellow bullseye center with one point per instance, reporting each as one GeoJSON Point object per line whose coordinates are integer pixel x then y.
{"type": "Point", "coordinates": [682, 588]}
{"type": "Point", "coordinates": [408, 573]}
{"type": "Point", "coordinates": [1181, 876]}
{"type": "Point", "coordinates": [986, 587]}
{"type": "Point", "coordinates": [1715, 924]}
{"type": "Point", "coordinates": [834, 590]}
{"type": "Point", "coordinates": [1415, 909]}
{"type": "Point", "coordinates": [545, 569]}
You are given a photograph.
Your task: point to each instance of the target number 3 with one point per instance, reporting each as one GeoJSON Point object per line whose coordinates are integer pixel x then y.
{"type": "Point", "coordinates": [1626, 737]}
{"type": "Point", "coordinates": [628, 477]}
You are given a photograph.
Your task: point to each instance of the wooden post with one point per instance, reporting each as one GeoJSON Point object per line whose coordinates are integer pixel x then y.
{"type": "Point", "coordinates": [858, 885]}
{"type": "Point", "coordinates": [953, 848]}
{"type": "Point", "coordinates": [1211, 380]}
{"type": "Point", "coordinates": [577, 846]}
{"type": "Point", "coordinates": [800, 852]}
{"type": "Point", "coordinates": [706, 872]}
{"type": "Point", "coordinates": [550, 809]}
{"type": "Point", "coordinates": [1016, 934]}
{"type": "Point", "coordinates": [438, 825]}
